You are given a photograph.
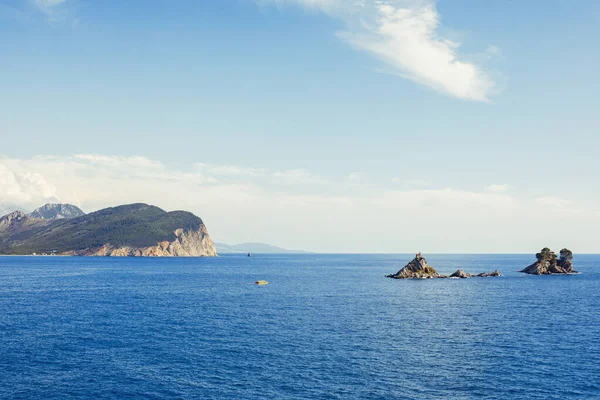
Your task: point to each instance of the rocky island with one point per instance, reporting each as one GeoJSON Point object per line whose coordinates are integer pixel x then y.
{"type": "Point", "coordinates": [137, 230]}
{"type": "Point", "coordinates": [462, 274]}
{"type": "Point", "coordinates": [418, 268]}
{"type": "Point", "coordinates": [548, 264]}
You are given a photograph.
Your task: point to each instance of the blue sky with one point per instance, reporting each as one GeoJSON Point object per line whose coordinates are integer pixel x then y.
{"type": "Point", "coordinates": [312, 111]}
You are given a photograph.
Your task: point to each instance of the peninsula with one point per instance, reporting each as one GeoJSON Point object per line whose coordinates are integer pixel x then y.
{"type": "Point", "coordinates": [136, 230]}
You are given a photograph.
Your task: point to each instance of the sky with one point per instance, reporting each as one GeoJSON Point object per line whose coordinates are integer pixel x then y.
{"type": "Point", "coordinates": [398, 126]}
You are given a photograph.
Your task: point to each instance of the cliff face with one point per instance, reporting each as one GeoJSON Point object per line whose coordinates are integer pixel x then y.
{"type": "Point", "coordinates": [548, 264]}
{"type": "Point", "coordinates": [196, 243]}
{"type": "Point", "coordinates": [129, 230]}
{"type": "Point", "coordinates": [565, 262]}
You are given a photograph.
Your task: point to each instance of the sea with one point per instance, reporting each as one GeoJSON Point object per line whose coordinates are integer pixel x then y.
{"type": "Point", "coordinates": [325, 327]}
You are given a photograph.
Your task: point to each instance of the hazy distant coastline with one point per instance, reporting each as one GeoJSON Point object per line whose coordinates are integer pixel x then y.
{"type": "Point", "coordinates": [263, 248]}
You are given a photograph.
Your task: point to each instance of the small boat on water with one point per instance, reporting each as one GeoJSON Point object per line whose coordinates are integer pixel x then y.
{"type": "Point", "coordinates": [249, 254]}
{"type": "Point", "coordinates": [261, 282]}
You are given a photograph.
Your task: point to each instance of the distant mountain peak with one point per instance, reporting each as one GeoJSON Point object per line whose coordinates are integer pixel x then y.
{"type": "Point", "coordinates": [56, 211]}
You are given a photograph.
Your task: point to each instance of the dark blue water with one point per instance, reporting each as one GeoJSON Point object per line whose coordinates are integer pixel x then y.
{"type": "Point", "coordinates": [326, 327]}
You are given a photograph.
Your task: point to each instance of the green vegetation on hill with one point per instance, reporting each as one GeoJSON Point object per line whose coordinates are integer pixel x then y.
{"type": "Point", "coordinates": [135, 225]}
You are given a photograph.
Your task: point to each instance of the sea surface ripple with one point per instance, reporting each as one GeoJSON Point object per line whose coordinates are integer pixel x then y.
{"type": "Point", "coordinates": [326, 327]}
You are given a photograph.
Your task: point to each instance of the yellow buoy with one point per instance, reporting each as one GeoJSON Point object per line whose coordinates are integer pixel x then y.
{"type": "Point", "coordinates": [261, 282]}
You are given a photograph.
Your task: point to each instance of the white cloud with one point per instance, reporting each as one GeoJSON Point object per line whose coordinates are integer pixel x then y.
{"type": "Point", "coordinates": [552, 201]}
{"type": "Point", "coordinates": [567, 208]}
{"type": "Point", "coordinates": [492, 51]}
{"type": "Point", "coordinates": [357, 176]}
{"type": "Point", "coordinates": [287, 208]}
{"type": "Point", "coordinates": [25, 189]}
{"type": "Point", "coordinates": [404, 34]}
{"type": "Point", "coordinates": [410, 182]}
{"type": "Point", "coordinates": [498, 188]}
{"type": "Point", "coordinates": [54, 10]}
{"type": "Point", "coordinates": [46, 4]}
{"type": "Point", "coordinates": [297, 176]}
{"type": "Point", "coordinates": [288, 177]}
{"type": "Point", "coordinates": [230, 170]}
{"type": "Point", "coordinates": [119, 161]}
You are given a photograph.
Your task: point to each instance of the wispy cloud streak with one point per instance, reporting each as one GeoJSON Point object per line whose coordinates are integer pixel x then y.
{"type": "Point", "coordinates": [404, 34]}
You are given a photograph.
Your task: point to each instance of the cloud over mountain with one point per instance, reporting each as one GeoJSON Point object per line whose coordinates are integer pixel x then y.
{"type": "Point", "coordinates": [300, 208]}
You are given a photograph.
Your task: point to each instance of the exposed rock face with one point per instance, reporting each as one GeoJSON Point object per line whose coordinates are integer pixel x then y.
{"type": "Point", "coordinates": [417, 269]}
{"type": "Point", "coordinates": [548, 264]}
{"type": "Point", "coordinates": [10, 219]}
{"type": "Point", "coordinates": [566, 261]}
{"type": "Point", "coordinates": [485, 275]}
{"type": "Point", "coordinates": [15, 223]}
{"type": "Point", "coordinates": [460, 274]}
{"type": "Point", "coordinates": [196, 243]}
{"type": "Point", "coordinates": [56, 211]}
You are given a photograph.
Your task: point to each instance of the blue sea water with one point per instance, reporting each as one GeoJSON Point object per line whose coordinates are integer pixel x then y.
{"type": "Point", "coordinates": [326, 327]}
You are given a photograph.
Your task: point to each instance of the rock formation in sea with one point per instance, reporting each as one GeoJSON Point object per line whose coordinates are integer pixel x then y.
{"type": "Point", "coordinates": [460, 274]}
{"type": "Point", "coordinates": [485, 275]}
{"type": "Point", "coordinates": [417, 269]}
{"type": "Point", "coordinates": [548, 264]}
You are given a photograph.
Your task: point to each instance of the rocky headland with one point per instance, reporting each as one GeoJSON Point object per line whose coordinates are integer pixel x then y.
{"type": "Point", "coordinates": [133, 230]}
{"type": "Point", "coordinates": [192, 243]}
{"type": "Point", "coordinates": [548, 264]}
{"type": "Point", "coordinates": [418, 268]}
